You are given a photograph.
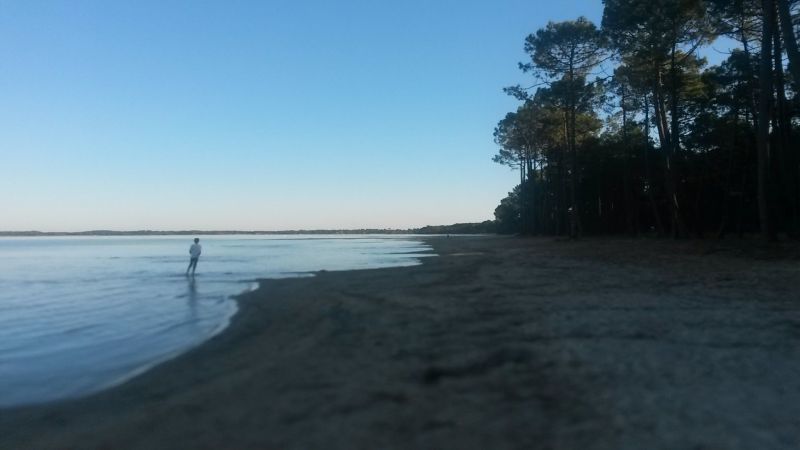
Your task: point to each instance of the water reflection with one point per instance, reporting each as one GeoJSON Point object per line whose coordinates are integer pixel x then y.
{"type": "Point", "coordinates": [192, 299]}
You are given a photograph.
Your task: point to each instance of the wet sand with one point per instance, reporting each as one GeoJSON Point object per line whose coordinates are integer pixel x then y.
{"type": "Point", "coordinates": [497, 343]}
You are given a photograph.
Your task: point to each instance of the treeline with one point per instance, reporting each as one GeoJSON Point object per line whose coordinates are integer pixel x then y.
{"type": "Point", "coordinates": [199, 232]}
{"type": "Point", "coordinates": [485, 227]}
{"type": "Point", "coordinates": [627, 129]}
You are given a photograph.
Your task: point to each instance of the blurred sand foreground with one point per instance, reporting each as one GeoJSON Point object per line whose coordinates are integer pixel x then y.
{"type": "Point", "coordinates": [497, 343]}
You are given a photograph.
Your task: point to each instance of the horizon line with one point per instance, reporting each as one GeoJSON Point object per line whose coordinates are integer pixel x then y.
{"type": "Point", "coordinates": [102, 232]}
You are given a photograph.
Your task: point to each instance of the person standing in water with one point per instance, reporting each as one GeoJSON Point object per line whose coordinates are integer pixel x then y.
{"type": "Point", "coordinates": [194, 255]}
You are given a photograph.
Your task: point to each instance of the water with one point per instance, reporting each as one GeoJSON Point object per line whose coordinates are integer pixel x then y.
{"type": "Point", "coordinates": [78, 314]}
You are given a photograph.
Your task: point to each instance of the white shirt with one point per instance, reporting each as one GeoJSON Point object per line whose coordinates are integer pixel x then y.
{"type": "Point", "coordinates": [195, 250]}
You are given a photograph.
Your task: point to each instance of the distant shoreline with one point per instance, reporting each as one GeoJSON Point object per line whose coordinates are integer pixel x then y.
{"type": "Point", "coordinates": [486, 227]}
{"type": "Point", "coordinates": [191, 232]}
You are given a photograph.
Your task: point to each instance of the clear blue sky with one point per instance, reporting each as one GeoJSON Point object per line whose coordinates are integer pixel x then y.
{"type": "Point", "coordinates": [258, 114]}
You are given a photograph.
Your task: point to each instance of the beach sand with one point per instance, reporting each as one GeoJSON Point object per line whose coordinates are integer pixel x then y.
{"type": "Point", "coordinates": [496, 343]}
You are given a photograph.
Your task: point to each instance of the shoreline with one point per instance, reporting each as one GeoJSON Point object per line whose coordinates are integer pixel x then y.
{"type": "Point", "coordinates": [254, 285]}
{"type": "Point", "coordinates": [86, 367]}
{"type": "Point", "coordinates": [498, 342]}
{"type": "Point", "coordinates": [28, 412]}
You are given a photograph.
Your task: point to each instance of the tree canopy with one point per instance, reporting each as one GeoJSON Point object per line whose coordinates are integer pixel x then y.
{"type": "Point", "coordinates": [658, 141]}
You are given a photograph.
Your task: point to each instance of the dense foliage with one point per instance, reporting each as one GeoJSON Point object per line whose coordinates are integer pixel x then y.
{"type": "Point", "coordinates": [627, 129]}
{"type": "Point", "coordinates": [485, 227]}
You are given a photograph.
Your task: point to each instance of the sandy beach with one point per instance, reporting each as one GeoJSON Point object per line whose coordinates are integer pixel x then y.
{"type": "Point", "coordinates": [495, 343]}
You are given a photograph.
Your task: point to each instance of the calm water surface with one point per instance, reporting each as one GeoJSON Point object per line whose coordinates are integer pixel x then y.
{"type": "Point", "coordinates": [78, 314]}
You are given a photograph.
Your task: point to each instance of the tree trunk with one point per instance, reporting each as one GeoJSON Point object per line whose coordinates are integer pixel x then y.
{"type": "Point", "coordinates": [673, 187]}
{"type": "Point", "coordinates": [664, 135]}
{"type": "Point", "coordinates": [673, 103]}
{"type": "Point", "coordinates": [726, 200]}
{"type": "Point", "coordinates": [532, 193]}
{"type": "Point", "coordinates": [648, 177]}
{"type": "Point", "coordinates": [562, 182]}
{"type": "Point", "coordinates": [626, 176]}
{"type": "Point", "coordinates": [521, 198]}
{"type": "Point", "coordinates": [660, 115]}
{"type": "Point", "coordinates": [764, 109]}
{"type": "Point", "coordinates": [789, 39]}
{"type": "Point", "coordinates": [784, 161]}
{"type": "Point", "coordinates": [575, 214]}
{"type": "Point", "coordinates": [751, 94]}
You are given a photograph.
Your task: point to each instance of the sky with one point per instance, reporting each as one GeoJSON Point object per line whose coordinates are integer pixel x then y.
{"type": "Point", "coordinates": [258, 115]}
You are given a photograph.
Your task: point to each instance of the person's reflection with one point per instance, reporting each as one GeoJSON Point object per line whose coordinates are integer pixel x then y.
{"type": "Point", "coordinates": [192, 296]}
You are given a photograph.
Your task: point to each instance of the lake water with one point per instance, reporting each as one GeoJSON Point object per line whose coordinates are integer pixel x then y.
{"type": "Point", "coordinates": [78, 314]}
